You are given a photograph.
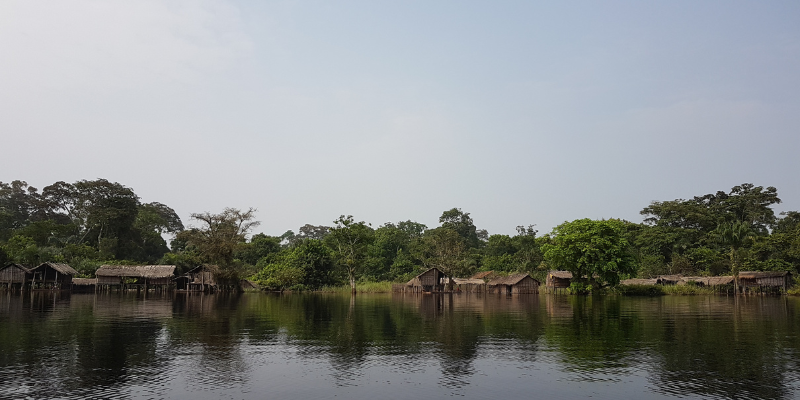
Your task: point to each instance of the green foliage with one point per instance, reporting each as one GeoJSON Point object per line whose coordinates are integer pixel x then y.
{"type": "Point", "coordinates": [350, 243]}
{"type": "Point", "coordinates": [640, 290]}
{"type": "Point", "coordinates": [22, 250]}
{"type": "Point", "coordinates": [687, 290]}
{"type": "Point", "coordinates": [309, 264]}
{"type": "Point", "coordinates": [218, 238]}
{"type": "Point", "coordinates": [594, 251]}
{"type": "Point", "coordinates": [461, 223]}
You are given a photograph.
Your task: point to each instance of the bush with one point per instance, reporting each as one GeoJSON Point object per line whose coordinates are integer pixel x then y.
{"type": "Point", "coordinates": [685, 290]}
{"type": "Point", "coordinates": [640, 290]}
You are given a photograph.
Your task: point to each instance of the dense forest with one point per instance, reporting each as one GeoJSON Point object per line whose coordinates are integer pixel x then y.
{"type": "Point", "coordinates": [90, 223]}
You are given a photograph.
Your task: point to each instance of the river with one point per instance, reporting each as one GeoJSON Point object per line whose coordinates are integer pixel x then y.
{"type": "Point", "coordinates": [395, 346]}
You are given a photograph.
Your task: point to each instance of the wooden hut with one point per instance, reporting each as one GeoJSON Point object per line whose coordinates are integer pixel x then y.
{"type": "Point", "coordinates": [638, 281]}
{"type": "Point", "coordinates": [199, 279]}
{"type": "Point", "coordinates": [707, 280]}
{"type": "Point", "coordinates": [669, 279]}
{"type": "Point", "coordinates": [469, 285]}
{"type": "Point", "coordinates": [764, 281]}
{"type": "Point", "coordinates": [84, 284]}
{"type": "Point", "coordinates": [514, 284]}
{"type": "Point", "coordinates": [14, 276]}
{"type": "Point", "coordinates": [52, 276]}
{"type": "Point", "coordinates": [484, 275]}
{"type": "Point", "coordinates": [558, 281]}
{"type": "Point", "coordinates": [430, 281]}
{"type": "Point", "coordinates": [137, 277]}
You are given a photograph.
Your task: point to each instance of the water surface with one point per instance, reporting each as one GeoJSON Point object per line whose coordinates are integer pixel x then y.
{"type": "Point", "coordinates": [301, 346]}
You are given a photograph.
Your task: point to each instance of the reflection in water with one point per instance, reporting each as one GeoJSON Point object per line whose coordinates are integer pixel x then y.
{"type": "Point", "coordinates": [476, 345]}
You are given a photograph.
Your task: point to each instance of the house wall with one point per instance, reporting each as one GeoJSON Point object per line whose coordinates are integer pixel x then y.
{"type": "Point", "coordinates": [526, 285]}
{"type": "Point", "coordinates": [12, 274]}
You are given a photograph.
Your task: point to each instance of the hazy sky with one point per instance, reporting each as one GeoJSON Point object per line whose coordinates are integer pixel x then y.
{"type": "Point", "coordinates": [516, 112]}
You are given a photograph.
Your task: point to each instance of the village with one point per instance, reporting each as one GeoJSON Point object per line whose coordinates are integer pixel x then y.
{"type": "Point", "coordinates": [203, 278]}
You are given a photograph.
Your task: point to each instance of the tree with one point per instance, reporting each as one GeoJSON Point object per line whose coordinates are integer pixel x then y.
{"type": "Point", "coordinates": [734, 235]}
{"type": "Point", "coordinates": [218, 238]}
{"type": "Point", "coordinates": [349, 241]}
{"type": "Point", "coordinates": [308, 265]}
{"type": "Point", "coordinates": [461, 223]}
{"type": "Point", "coordinates": [444, 249]}
{"type": "Point", "coordinates": [596, 252]}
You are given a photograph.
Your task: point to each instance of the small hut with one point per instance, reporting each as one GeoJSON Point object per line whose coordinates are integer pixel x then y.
{"type": "Point", "coordinates": [199, 279]}
{"type": "Point", "coordinates": [52, 276]}
{"type": "Point", "coordinates": [764, 281]}
{"type": "Point", "coordinates": [14, 276]}
{"type": "Point", "coordinates": [484, 275]}
{"type": "Point", "coordinates": [84, 284]}
{"type": "Point", "coordinates": [137, 277]}
{"type": "Point", "coordinates": [430, 281]}
{"type": "Point", "coordinates": [708, 281]}
{"type": "Point", "coordinates": [638, 281]}
{"type": "Point", "coordinates": [558, 280]}
{"type": "Point", "coordinates": [469, 285]}
{"type": "Point", "coordinates": [514, 284]}
{"type": "Point", "coordinates": [669, 279]}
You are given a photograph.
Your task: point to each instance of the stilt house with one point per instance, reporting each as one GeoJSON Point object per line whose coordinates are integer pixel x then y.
{"type": "Point", "coordinates": [514, 284]}
{"type": "Point", "coordinates": [764, 281]}
{"type": "Point", "coordinates": [200, 279]}
{"type": "Point", "coordinates": [84, 284]}
{"type": "Point", "coordinates": [52, 276]}
{"type": "Point", "coordinates": [469, 285]}
{"type": "Point", "coordinates": [14, 276]}
{"type": "Point", "coordinates": [558, 280]}
{"type": "Point", "coordinates": [138, 277]}
{"type": "Point", "coordinates": [431, 281]}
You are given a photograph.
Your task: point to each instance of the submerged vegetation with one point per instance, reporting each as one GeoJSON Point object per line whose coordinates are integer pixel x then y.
{"type": "Point", "coordinates": [89, 223]}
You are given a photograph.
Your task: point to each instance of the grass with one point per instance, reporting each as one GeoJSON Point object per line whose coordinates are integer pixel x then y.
{"type": "Point", "coordinates": [640, 290]}
{"type": "Point", "coordinates": [687, 290]}
{"type": "Point", "coordinates": [361, 287]}
{"type": "Point", "coordinates": [795, 291]}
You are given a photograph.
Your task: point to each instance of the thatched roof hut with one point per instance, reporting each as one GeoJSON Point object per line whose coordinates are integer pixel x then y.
{"type": "Point", "coordinates": [669, 279]}
{"type": "Point", "coordinates": [765, 280]}
{"type": "Point", "coordinates": [14, 274]}
{"type": "Point", "coordinates": [638, 281]}
{"type": "Point", "coordinates": [469, 285]}
{"type": "Point", "coordinates": [52, 276]}
{"type": "Point", "coordinates": [199, 279]}
{"type": "Point", "coordinates": [135, 274]}
{"type": "Point", "coordinates": [84, 284]}
{"type": "Point", "coordinates": [516, 283]}
{"type": "Point", "coordinates": [707, 280]}
{"type": "Point", "coordinates": [484, 275]}
{"type": "Point", "coordinates": [432, 280]}
{"type": "Point", "coordinates": [558, 280]}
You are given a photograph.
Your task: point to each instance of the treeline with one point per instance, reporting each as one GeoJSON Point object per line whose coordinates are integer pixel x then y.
{"type": "Point", "coordinates": [88, 223]}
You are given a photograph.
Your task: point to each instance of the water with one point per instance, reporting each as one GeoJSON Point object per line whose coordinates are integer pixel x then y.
{"type": "Point", "coordinates": [307, 346]}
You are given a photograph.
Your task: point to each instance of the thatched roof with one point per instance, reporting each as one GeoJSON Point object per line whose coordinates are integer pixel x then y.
{"type": "Point", "coordinates": [762, 274]}
{"type": "Point", "coordinates": [61, 268]}
{"type": "Point", "coordinates": [137, 271]}
{"type": "Point", "coordinates": [481, 275]}
{"type": "Point", "coordinates": [508, 280]}
{"type": "Point", "coordinates": [560, 274]}
{"type": "Point", "coordinates": [637, 281]}
{"type": "Point", "coordinates": [84, 281]}
{"type": "Point", "coordinates": [27, 270]}
{"type": "Point", "coordinates": [709, 280]}
{"type": "Point", "coordinates": [468, 281]}
{"type": "Point", "coordinates": [205, 267]}
{"type": "Point", "coordinates": [669, 278]}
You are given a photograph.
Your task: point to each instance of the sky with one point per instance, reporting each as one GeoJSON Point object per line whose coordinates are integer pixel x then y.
{"type": "Point", "coordinates": [517, 112]}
